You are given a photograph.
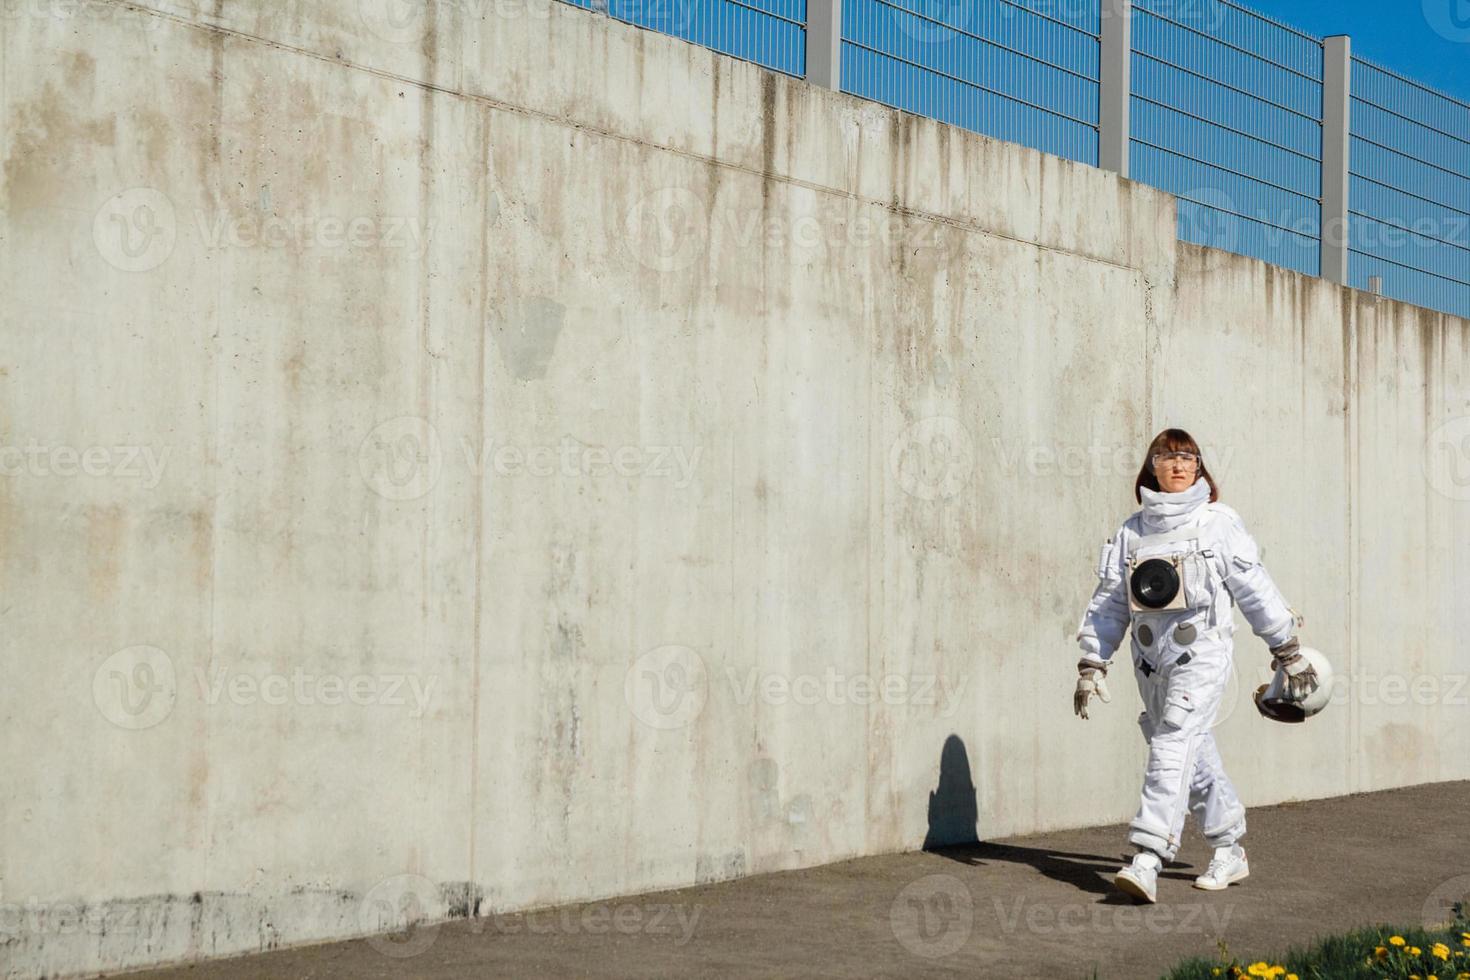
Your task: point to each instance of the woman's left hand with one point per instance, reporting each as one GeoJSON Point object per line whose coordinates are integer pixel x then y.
{"type": "Point", "coordinates": [1301, 676]}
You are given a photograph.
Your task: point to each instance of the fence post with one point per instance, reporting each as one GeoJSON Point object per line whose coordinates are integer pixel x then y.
{"type": "Point", "coordinates": [1114, 86]}
{"type": "Point", "coordinates": [824, 43]}
{"type": "Point", "coordinates": [1337, 83]}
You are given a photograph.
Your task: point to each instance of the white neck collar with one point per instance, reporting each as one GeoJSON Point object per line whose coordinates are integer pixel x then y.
{"type": "Point", "coordinates": [1167, 511]}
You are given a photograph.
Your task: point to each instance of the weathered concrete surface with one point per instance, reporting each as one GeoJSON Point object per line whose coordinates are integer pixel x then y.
{"type": "Point", "coordinates": [1022, 907]}
{"type": "Point", "coordinates": [502, 458]}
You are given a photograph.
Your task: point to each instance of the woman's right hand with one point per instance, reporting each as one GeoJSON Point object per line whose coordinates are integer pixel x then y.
{"type": "Point", "coordinates": [1091, 680]}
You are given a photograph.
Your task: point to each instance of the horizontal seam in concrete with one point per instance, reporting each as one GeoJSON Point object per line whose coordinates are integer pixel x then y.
{"type": "Point", "coordinates": [608, 134]}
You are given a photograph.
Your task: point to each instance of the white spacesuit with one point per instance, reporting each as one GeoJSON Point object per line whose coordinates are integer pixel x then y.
{"type": "Point", "coordinates": [1173, 571]}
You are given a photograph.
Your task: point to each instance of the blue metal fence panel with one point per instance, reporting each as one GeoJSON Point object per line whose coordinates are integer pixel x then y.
{"type": "Point", "coordinates": [1409, 195]}
{"type": "Point", "coordinates": [768, 32]}
{"type": "Point", "coordinates": [1018, 70]}
{"type": "Point", "coordinates": [1226, 114]}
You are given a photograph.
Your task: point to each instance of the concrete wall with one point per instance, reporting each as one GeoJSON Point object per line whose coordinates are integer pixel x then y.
{"type": "Point", "coordinates": [499, 457]}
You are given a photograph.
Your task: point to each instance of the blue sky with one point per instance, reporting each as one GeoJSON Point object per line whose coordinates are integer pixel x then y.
{"type": "Point", "coordinates": [1427, 40]}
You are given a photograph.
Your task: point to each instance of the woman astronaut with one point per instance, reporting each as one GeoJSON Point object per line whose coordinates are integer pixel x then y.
{"type": "Point", "coordinates": [1172, 572]}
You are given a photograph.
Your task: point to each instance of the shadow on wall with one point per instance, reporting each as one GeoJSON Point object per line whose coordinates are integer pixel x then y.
{"type": "Point", "coordinates": [954, 811]}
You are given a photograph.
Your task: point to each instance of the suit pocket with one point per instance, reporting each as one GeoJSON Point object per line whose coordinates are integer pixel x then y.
{"type": "Point", "coordinates": [1178, 707]}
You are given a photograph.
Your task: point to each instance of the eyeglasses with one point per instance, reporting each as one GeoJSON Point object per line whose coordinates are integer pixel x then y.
{"type": "Point", "coordinates": [1186, 460]}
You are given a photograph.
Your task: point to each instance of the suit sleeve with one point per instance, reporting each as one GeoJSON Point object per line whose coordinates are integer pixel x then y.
{"type": "Point", "coordinates": [1107, 616]}
{"type": "Point", "coordinates": [1252, 588]}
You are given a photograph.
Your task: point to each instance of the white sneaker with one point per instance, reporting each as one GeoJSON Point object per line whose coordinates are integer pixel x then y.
{"type": "Point", "coordinates": [1141, 878]}
{"type": "Point", "coordinates": [1226, 868]}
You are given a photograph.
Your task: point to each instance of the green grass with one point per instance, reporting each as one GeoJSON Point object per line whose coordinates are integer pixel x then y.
{"type": "Point", "coordinates": [1349, 957]}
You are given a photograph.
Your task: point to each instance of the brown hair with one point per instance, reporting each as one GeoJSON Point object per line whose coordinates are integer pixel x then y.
{"type": "Point", "coordinates": [1171, 441]}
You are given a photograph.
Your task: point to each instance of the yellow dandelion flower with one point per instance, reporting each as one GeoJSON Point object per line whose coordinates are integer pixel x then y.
{"type": "Point", "coordinates": [1257, 969]}
{"type": "Point", "coordinates": [1415, 950]}
{"type": "Point", "coordinates": [1395, 940]}
{"type": "Point", "coordinates": [1380, 951]}
{"type": "Point", "coordinates": [1440, 950]}
{"type": "Point", "coordinates": [1292, 976]}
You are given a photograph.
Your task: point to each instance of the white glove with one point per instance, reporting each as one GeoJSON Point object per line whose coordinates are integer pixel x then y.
{"type": "Point", "coordinates": [1091, 679]}
{"type": "Point", "coordinates": [1301, 676]}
